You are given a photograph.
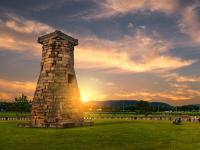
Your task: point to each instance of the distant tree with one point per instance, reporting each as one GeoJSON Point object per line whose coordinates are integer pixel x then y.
{"type": "Point", "coordinates": [107, 108]}
{"type": "Point", "coordinates": [142, 106]}
{"type": "Point", "coordinates": [187, 108]}
{"type": "Point", "coordinates": [22, 104]}
{"type": "Point", "coordinates": [9, 106]}
{"type": "Point", "coordinates": [130, 108]}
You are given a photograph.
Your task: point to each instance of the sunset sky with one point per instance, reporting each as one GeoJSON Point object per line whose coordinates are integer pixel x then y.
{"type": "Point", "coordinates": [128, 49]}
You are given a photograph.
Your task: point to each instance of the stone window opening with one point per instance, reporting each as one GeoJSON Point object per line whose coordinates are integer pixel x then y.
{"type": "Point", "coordinates": [70, 78]}
{"type": "Point", "coordinates": [41, 67]}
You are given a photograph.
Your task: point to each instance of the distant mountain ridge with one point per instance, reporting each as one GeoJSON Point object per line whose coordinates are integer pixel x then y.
{"type": "Point", "coordinates": [125, 103]}
{"type": "Point", "coordinates": [114, 103]}
{"type": "Point", "coordinates": [160, 104]}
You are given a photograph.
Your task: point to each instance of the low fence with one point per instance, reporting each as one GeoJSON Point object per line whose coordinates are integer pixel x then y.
{"type": "Point", "coordinates": [129, 118]}
{"type": "Point", "coordinates": [190, 119]}
{"type": "Point", "coordinates": [15, 118]}
{"type": "Point", "coordinates": [95, 118]}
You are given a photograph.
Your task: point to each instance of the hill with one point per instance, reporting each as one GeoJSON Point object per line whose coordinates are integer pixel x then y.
{"type": "Point", "coordinates": [125, 103]}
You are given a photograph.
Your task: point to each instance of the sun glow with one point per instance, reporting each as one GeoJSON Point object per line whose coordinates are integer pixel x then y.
{"type": "Point", "coordinates": [91, 96]}
{"type": "Point", "coordinates": [91, 90]}
{"type": "Point", "coordinates": [84, 97]}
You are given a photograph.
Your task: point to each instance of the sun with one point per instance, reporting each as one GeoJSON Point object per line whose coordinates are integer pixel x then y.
{"type": "Point", "coordinates": [84, 98]}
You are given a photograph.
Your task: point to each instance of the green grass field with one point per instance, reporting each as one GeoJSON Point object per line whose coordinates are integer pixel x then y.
{"type": "Point", "coordinates": [104, 135]}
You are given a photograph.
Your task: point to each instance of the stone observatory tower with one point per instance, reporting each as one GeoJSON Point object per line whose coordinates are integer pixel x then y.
{"type": "Point", "coordinates": [56, 101]}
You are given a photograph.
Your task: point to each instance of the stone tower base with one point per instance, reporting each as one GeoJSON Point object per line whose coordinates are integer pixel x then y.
{"type": "Point", "coordinates": [69, 124]}
{"type": "Point", "coordinates": [59, 125]}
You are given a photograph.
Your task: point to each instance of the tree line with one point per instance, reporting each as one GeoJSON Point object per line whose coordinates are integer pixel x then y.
{"type": "Point", "coordinates": [19, 105]}
{"type": "Point", "coordinates": [143, 107]}
{"type": "Point", "coordinates": [22, 104]}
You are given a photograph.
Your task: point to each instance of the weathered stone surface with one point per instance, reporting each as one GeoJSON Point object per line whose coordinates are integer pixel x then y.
{"type": "Point", "coordinates": [56, 100]}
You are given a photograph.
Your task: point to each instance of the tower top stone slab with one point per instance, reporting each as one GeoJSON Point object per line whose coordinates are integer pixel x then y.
{"type": "Point", "coordinates": [58, 34]}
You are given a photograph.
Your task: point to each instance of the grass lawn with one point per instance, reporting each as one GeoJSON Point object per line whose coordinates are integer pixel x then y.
{"type": "Point", "coordinates": [104, 135]}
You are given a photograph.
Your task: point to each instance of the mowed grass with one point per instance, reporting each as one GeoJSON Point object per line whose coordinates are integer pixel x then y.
{"type": "Point", "coordinates": [104, 135]}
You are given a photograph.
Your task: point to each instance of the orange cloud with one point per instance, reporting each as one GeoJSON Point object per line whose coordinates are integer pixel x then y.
{"type": "Point", "coordinates": [17, 85]}
{"type": "Point", "coordinates": [6, 96]}
{"type": "Point", "coordinates": [10, 89]}
{"type": "Point", "coordinates": [180, 78]}
{"type": "Point", "coordinates": [23, 25]}
{"type": "Point", "coordinates": [12, 43]}
{"type": "Point", "coordinates": [121, 61]}
{"type": "Point", "coordinates": [137, 53]}
{"type": "Point", "coordinates": [109, 8]}
{"type": "Point", "coordinates": [180, 86]}
{"type": "Point", "coordinates": [175, 96]}
{"type": "Point", "coordinates": [19, 34]}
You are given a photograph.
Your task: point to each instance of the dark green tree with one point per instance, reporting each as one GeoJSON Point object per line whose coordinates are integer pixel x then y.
{"type": "Point", "coordinates": [22, 104]}
{"type": "Point", "coordinates": [142, 106]}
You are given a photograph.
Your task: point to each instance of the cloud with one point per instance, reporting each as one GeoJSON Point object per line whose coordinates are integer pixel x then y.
{"type": "Point", "coordinates": [26, 86]}
{"type": "Point", "coordinates": [20, 35]}
{"type": "Point", "coordinates": [10, 89]}
{"type": "Point", "coordinates": [97, 80]}
{"type": "Point", "coordinates": [153, 95]}
{"type": "Point", "coordinates": [130, 26]}
{"type": "Point", "coordinates": [110, 8]}
{"type": "Point", "coordinates": [180, 78]}
{"type": "Point", "coordinates": [189, 22]}
{"type": "Point", "coordinates": [13, 43]}
{"type": "Point", "coordinates": [177, 90]}
{"type": "Point", "coordinates": [121, 62]}
{"type": "Point", "coordinates": [6, 96]}
{"type": "Point", "coordinates": [110, 84]}
{"type": "Point", "coordinates": [136, 53]}
{"type": "Point", "coordinates": [133, 53]}
{"type": "Point", "coordinates": [180, 86]}
{"type": "Point", "coordinates": [20, 24]}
